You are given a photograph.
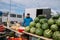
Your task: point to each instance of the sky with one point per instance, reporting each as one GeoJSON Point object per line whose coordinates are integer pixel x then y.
{"type": "Point", "coordinates": [19, 6]}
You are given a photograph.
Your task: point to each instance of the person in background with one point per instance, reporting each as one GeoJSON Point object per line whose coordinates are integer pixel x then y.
{"type": "Point", "coordinates": [27, 20]}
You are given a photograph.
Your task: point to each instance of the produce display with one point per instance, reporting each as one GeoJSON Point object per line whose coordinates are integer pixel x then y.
{"type": "Point", "coordinates": [36, 19]}
{"type": "Point", "coordinates": [42, 21]}
{"type": "Point", "coordinates": [45, 26]}
{"type": "Point", "coordinates": [32, 24]}
{"type": "Point", "coordinates": [27, 28]}
{"type": "Point", "coordinates": [54, 27]}
{"type": "Point", "coordinates": [47, 33]}
{"type": "Point", "coordinates": [42, 26]}
{"type": "Point", "coordinates": [15, 26]}
{"type": "Point", "coordinates": [58, 22]}
{"type": "Point", "coordinates": [32, 30]}
{"type": "Point", "coordinates": [56, 35]}
{"type": "Point", "coordinates": [39, 31]}
{"type": "Point", "coordinates": [38, 25]}
{"type": "Point", "coordinates": [50, 21]}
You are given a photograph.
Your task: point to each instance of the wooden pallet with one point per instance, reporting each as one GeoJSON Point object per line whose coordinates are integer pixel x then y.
{"type": "Point", "coordinates": [37, 36]}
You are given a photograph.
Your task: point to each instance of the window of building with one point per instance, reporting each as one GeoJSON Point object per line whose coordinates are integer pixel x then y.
{"type": "Point", "coordinates": [5, 14]}
{"type": "Point", "coordinates": [19, 16]}
{"type": "Point", "coordinates": [12, 15]}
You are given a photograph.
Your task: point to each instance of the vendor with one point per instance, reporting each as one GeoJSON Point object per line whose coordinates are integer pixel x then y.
{"type": "Point", "coordinates": [27, 20]}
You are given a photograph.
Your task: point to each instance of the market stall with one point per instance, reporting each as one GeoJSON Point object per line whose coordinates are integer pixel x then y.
{"type": "Point", "coordinates": [41, 27]}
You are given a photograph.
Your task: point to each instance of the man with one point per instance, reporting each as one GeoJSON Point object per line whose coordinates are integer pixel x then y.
{"type": "Point", "coordinates": [27, 20]}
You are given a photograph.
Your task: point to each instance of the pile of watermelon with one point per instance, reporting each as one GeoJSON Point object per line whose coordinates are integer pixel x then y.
{"type": "Point", "coordinates": [42, 26]}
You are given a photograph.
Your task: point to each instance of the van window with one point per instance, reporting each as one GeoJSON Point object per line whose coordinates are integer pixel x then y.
{"type": "Point", "coordinates": [12, 15]}
{"type": "Point", "coordinates": [19, 16]}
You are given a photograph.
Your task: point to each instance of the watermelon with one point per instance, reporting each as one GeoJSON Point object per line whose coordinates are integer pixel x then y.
{"type": "Point", "coordinates": [54, 27]}
{"type": "Point", "coordinates": [36, 20]}
{"type": "Point", "coordinates": [41, 16]}
{"type": "Point", "coordinates": [58, 22]}
{"type": "Point", "coordinates": [51, 21]}
{"type": "Point", "coordinates": [55, 17]}
{"type": "Point", "coordinates": [32, 24]}
{"type": "Point", "coordinates": [27, 29]}
{"type": "Point", "coordinates": [59, 17]}
{"type": "Point", "coordinates": [43, 21]}
{"type": "Point", "coordinates": [56, 35]}
{"type": "Point", "coordinates": [47, 33]}
{"type": "Point", "coordinates": [38, 25]}
{"type": "Point", "coordinates": [45, 26]}
{"type": "Point", "coordinates": [39, 31]}
{"type": "Point", "coordinates": [32, 30]}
